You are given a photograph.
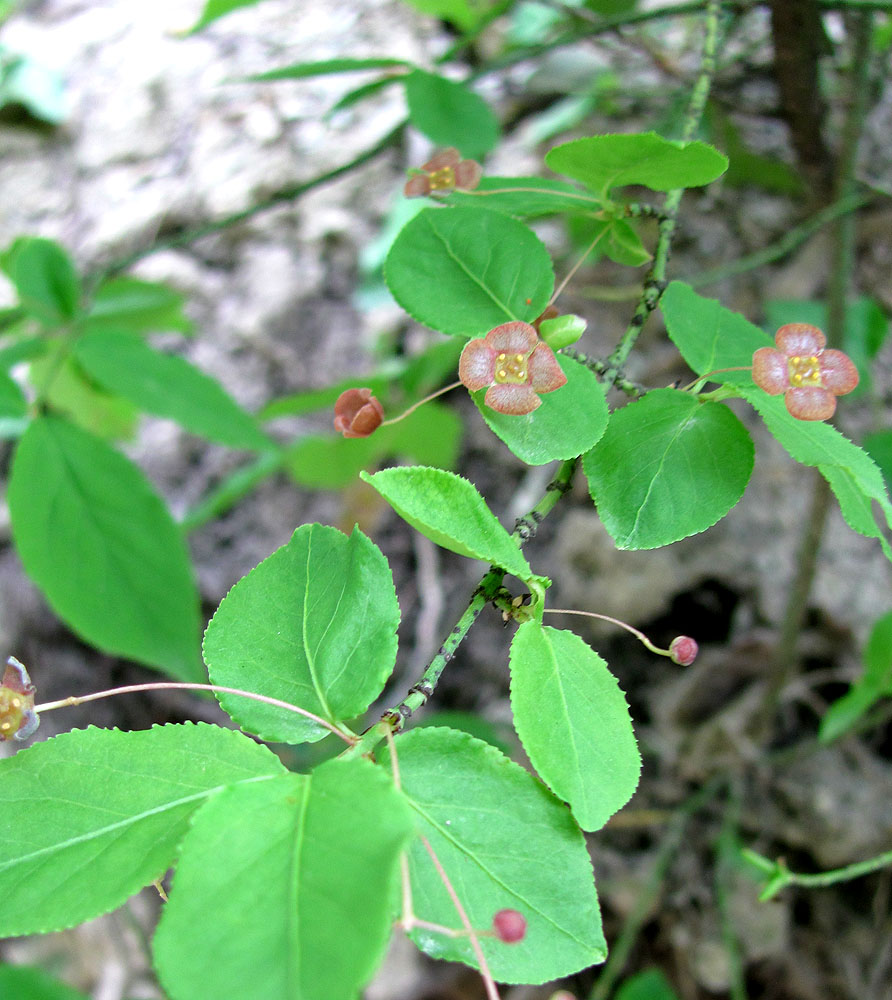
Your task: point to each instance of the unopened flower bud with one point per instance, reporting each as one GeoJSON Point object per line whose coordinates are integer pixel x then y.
{"type": "Point", "coordinates": [683, 650]}
{"type": "Point", "coordinates": [509, 926]}
{"type": "Point", "coordinates": [357, 413]}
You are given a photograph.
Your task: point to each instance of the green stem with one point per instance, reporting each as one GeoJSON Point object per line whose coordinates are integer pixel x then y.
{"type": "Point", "coordinates": [726, 868]}
{"type": "Point", "coordinates": [393, 720]}
{"type": "Point", "coordinates": [656, 279]}
{"type": "Point", "coordinates": [781, 876]}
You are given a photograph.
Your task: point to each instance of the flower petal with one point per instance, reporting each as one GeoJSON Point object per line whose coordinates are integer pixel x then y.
{"type": "Point", "coordinates": [445, 158]}
{"type": "Point", "coordinates": [545, 372]}
{"type": "Point", "coordinates": [417, 185]}
{"type": "Point", "coordinates": [770, 371]}
{"type": "Point", "coordinates": [810, 402]}
{"type": "Point", "coordinates": [357, 413]}
{"type": "Point", "coordinates": [838, 372]}
{"type": "Point", "coordinates": [468, 174]}
{"type": "Point", "coordinates": [477, 365]}
{"type": "Point", "coordinates": [512, 338]}
{"type": "Point", "coordinates": [799, 338]}
{"type": "Point", "coordinates": [512, 398]}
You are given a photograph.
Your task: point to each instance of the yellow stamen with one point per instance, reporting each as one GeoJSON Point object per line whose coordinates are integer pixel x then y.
{"type": "Point", "coordinates": [804, 370]}
{"type": "Point", "coordinates": [441, 179]}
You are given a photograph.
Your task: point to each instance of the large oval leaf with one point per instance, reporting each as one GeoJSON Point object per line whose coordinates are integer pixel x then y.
{"type": "Point", "coordinates": [101, 545]}
{"type": "Point", "coordinates": [667, 467]}
{"type": "Point", "coordinates": [603, 162]}
{"type": "Point", "coordinates": [465, 270]}
{"type": "Point", "coordinates": [573, 721]}
{"type": "Point", "coordinates": [567, 423]}
{"type": "Point", "coordinates": [505, 842]}
{"type": "Point", "coordinates": [285, 889]}
{"type": "Point", "coordinates": [90, 817]}
{"type": "Point", "coordinates": [314, 625]}
{"type": "Point", "coordinates": [449, 511]}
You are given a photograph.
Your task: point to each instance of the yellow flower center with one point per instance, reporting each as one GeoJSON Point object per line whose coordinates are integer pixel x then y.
{"type": "Point", "coordinates": [442, 178]}
{"type": "Point", "coordinates": [511, 368]}
{"type": "Point", "coordinates": [804, 370]}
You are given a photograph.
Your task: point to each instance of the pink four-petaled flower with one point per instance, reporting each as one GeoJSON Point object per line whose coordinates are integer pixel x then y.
{"type": "Point", "coordinates": [445, 171]}
{"type": "Point", "coordinates": [809, 377]}
{"type": "Point", "coordinates": [513, 365]}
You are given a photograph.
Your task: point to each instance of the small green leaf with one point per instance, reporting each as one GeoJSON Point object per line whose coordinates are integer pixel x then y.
{"type": "Point", "coordinates": [505, 843]}
{"type": "Point", "coordinates": [325, 67]}
{"type": "Point", "coordinates": [623, 244]}
{"type": "Point", "coordinates": [448, 510]}
{"type": "Point", "coordinates": [90, 817]}
{"type": "Point", "coordinates": [13, 407]}
{"type": "Point", "coordinates": [648, 985]}
{"type": "Point", "coordinates": [466, 270]}
{"type": "Point", "coordinates": [218, 8]}
{"type": "Point", "coordinates": [44, 277]}
{"type": "Point", "coordinates": [464, 14]}
{"type": "Point", "coordinates": [19, 982]}
{"type": "Point", "coordinates": [573, 721]}
{"type": "Point", "coordinates": [569, 421]}
{"type": "Point", "coordinates": [285, 888]}
{"type": "Point", "coordinates": [513, 196]}
{"type": "Point", "coordinates": [449, 113]}
{"type": "Point", "coordinates": [103, 548]}
{"type": "Point", "coordinates": [26, 82]}
{"type": "Point", "coordinates": [314, 625]}
{"type": "Point", "coordinates": [667, 467]}
{"type": "Point", "coordinates": [168, 386]}
{"type": "Point", "coordinates": [603, 162]}
{"type": "Point", "coordinates": [137, 306]}
{"type": "Point", "coordinates": [70, 393]}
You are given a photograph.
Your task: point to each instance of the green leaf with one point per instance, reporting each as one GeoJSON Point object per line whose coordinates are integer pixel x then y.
{"type": "Point", "coordinates": [314, 625]}
{"type": "Point", "coordinates": [44, 277]}
{"type": "Point", "coordinates": [879, 446]}
{"type": "Point", "coordinates": [623, 244]}
{"type": "Point", "coordinates": [573, 721]}
{"type": "Point", "coordinates": [137, 306]}
{"type": "Point", "coordinates": [852, 474]}
{"type": "Point", "coordinates": [513, 196]}
{"type": "Point", "coordinates": [648, 985]}
{"type": "Point", "coordinates": [19, 982]}
{"type": "Point", "coordinates": [285, 889]}
{"type": "Point", "coordinates": [13, 407]}
{"type": "Point", "coordinates": [873, 684]}
{"type": "Point", "coordinates": [562, 331]}
{"type": "Point", "coordinates": [90, 817]}
{"type": "Point", "coordinates": [464, 14]}
{"type": "Point", "coordinates": [218, 8]}
{"type": "Point", "coordinates": [168, 386]}
{"type": "Point", "coordinates": [324, 67]}
{"type": "Point", "coordinates": [710, 336]}
{"type": "Point", "coordinates": [103, 548]}
{"type": "Point", "coordinates": [569, 421]}
{"type": "Point", "coordinates": [70, 393]}
{"type": "Point", "coordinates": [465, 270]}
{"type": "Point", "coordinates": [504, 842]}
{"type": "Point", "coordinates": [667, 467]}
{"type": "Point", "coordinates": [603, 162]}
{"type": "Point", "coordinates": [430, 436]}
{"type": "Point", "coordinates": [448, 510]}
{"type": "Point", "coordinates": [449, 113]}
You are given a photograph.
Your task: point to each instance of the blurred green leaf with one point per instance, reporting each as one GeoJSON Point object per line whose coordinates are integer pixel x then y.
{"type": "Point", "coordinates": [137, 306]}
{"type": "Point", "coordinates": [449, 113]}
{"type": "Point", "coordinates": [326, 67]}
{"type": "Point", "coordinates": [28, 83]}
{"type": "Point", "coordinates": [45, 278]}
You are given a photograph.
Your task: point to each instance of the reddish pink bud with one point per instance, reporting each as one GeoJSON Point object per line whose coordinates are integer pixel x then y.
{"type": "Point", "coordinates": [509, 926]}
{"type": "Point", "coordinates": [683, 650]}
{"type": "Point", "coordinates": [357, 413]}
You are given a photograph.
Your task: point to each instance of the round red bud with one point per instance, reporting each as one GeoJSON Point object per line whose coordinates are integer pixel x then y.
{"type": "Point", "coordinates": [683, 650]}
{"type": "Point", "coordinates": [509, 926]}
{"type": "Point", "coordinates": [357, 413]}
